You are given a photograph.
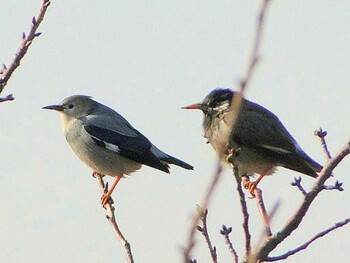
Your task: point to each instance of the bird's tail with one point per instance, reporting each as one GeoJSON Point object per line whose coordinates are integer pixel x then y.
{"type": "Point", "coordinates": [304, 164]}
{"type": "Point", "coordinates": [172, 160]}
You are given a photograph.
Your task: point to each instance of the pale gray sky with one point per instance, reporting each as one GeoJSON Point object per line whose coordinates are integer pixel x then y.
{"type": "Point", "coordinates": [146, 60]}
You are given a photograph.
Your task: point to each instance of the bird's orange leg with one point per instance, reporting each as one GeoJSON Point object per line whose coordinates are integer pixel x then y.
{"type": "Point", "coordinates": [106, 196]}
{"type": "Point", "coordinates": [251, 186]}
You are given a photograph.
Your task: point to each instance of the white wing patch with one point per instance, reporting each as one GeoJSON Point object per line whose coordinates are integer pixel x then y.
{"type": "Point", "coordinates": [275, 149]}
{"type": "Point", "coordinates": [112, 147]}
{"type": "Point", "coordinates": [109, 146]}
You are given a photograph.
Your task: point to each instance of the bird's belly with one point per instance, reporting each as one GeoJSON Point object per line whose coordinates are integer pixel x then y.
{"type": "Point", "coordinates": [100, 159]}
{"type": "Point", "coordinates": [250, 162]}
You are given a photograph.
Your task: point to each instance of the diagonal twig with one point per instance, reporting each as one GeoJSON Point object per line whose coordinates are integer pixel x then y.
{"type": "Point", "coordinates": [306, 244]}
{"type": "Point", "coordinates": [298, 216]}
{"type": "Point", "coordinates": [245, 213]}
{"type": "Point", "coordinates": [197, 217]}
{"type": "Point", "coordinates": [205, 233]}
{"type": "Point", "coordinates": [7, 98]}
{"type": "Point", "coordinates": [297, 183]}
{"type": "Point", "coordinates": [112, 220]}
{"type": "Point", "coordinates": [261, 207]}
{"type": "Point", "coordinates": [225, 231]}
{"type": "Point", "coordinates": [27, 40]}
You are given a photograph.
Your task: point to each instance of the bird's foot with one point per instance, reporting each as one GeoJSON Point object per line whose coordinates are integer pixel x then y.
{"type": "Point", "coordinates": [249, 185]}
{"type": "Point", "coordinates": [106, 198]}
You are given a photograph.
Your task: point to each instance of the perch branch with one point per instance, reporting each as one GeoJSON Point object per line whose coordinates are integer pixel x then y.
{"type": "Point", "coordinates": [113, 222]}
{"type": "Point", "coordinates": [27, 40]}
{"type": "Point", "coordinates": [244, 212]}
{"type": "Point", "coordinates": [264, 216]}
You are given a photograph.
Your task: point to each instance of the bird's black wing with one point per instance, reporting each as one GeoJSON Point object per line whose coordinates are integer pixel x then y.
{"type": "Point", "coordinates": [136, 148]}
{"type": "Point", "coordinates": [259, 128]}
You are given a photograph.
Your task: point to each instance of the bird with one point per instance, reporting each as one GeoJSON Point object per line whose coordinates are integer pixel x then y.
{"type": "Point", "coordinates": [257, 144]}
{"type": "Point", "coordinates": [107, 142]}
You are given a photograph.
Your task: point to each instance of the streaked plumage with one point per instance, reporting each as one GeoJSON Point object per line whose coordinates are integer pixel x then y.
{"type": "Point", "coordinates": [263, 142]}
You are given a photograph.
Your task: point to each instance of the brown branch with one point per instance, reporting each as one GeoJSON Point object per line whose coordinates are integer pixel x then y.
{"type": "Point", "coordinates": [197, 217]}
{"type": "Point", "coordinates": [244, 212]}
{"type": "Point", "coordinates": [298, 216]}
{"type": "Point", "coordinates": [306, 244]}
{"type": "Point", "coordinates": [26, 42]}
{"type": "Point", "coordinates": [254, 57]}
{"type": "Point", "coordinates": [225, 231]}
{"type": "Point", "coordinates": [205, 233]}
{"type": "Point", "coordinates": [7, 98]}
{"type": "Point", "coordinates": [113, 222]}
{"type": "Point", "coordinates": [264, 216]}
{"type": "Point", "coordinates": [321, 134]}
{"type": "Point", "coordinates": [235, 107]}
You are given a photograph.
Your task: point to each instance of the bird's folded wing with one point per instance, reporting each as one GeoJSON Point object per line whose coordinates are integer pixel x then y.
{"type": "Point", "coordinates": [118, 142]}
{"type": "Point", "coordinates": [136, 148]}
{"type": "Point", "coordinates": [259, 128]}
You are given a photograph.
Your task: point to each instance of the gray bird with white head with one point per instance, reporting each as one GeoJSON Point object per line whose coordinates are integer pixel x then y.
{"type": "Point", "coordinates": [261, 140]}
{"type": "Point", "coordinates": [107, 142]}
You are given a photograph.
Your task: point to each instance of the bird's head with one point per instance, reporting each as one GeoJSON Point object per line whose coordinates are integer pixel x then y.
{"type": "Point", "coordinates": [76, 106]}
{"type": "Point", "coordinates": [216, 102]}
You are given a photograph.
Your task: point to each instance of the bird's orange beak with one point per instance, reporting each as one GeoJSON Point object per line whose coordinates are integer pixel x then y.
{"type": "Point", "coordinates": [195, 106]}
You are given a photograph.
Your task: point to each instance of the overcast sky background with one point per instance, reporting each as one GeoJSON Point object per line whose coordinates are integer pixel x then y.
{"type": "Point", "coordinates": [146, 59]}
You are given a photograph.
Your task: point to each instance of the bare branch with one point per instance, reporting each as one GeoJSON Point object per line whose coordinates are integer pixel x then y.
{"type": "Point", "coordinates": [254, 57]}
{"type": "Point", "coordinates": [244, 212]}
{"type": "Point", "coordinates": [197, 217]}
{"type": "Point", "coordinates": [264, 216]}
{"type": "Point", "coordinates": [305, 245]}
{"type": "Point", "coordinates": [26, 42]}
{"type": "Point", "coordinates": [297, 183]}
{"type": "Point", "coordinates": [205, 233]}
{"type": "Point", "coordinates": [225, 231]}
{"type": "Point", "coordinates": [235, 108]}
{"type": "Point", "coordinates": [337, 186]}
{"type": "Point", "coordinates": [7, 98]}
{"type": "Point", "coordinates": [298, 216]}
{"type": "Point", "coordinates": [321, 134]}
{"type": "Point", "coordinates": [112, 220]}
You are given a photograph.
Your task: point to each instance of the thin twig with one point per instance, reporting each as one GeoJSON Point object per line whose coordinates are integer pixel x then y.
{"type": "Point", "coordinates": [245, 213]}
{"type": "Point", "coordinates": [297, 183]}
{"type": "Point", "coordinates": [298, 216]}
{"type": "Point", "coordinates": [254, 57]}
{"type": "Point", "coordinates": [112, 220]}
{"type": "Point", "coordinates": [235, 107]}
{"type": "Point", "coordinates": [264, 216]}
{"type": "Point", "coordinates": [26, 42]}
{"type": "Point", "coordinates": [205, 233]}
{"type": "Point", "coordinates": [337, 186]}
{"type": "Point", "coordinates": [225, 231]}
{"type": "Point", "coordinates": [197, 217]}
{"type": "Point", "coordinates": [321, 134]}
{"type": "Point", "coordinates": [7, 98]}
{"type": "Point", "coordinates": [306, 244]}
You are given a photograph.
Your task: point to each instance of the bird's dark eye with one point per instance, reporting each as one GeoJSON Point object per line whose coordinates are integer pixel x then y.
{"type": "Point", "coordinates": [70, 106]}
